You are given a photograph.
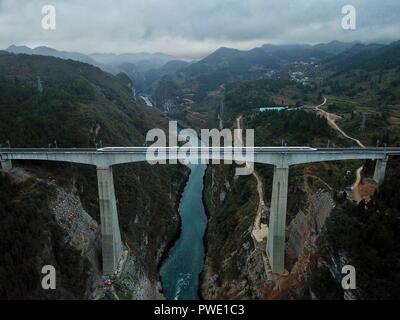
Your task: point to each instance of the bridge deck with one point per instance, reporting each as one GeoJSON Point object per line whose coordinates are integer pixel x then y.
{"type": "Point", "coordinates": [391, 150]}
{"type": "Point", "coordinates": [278, 156]}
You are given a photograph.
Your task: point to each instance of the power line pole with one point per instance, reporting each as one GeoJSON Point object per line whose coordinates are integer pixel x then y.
{"type": "Point", "coordinates": [363, 122]}
{"type": "Point", "coordinates": [39, 85]}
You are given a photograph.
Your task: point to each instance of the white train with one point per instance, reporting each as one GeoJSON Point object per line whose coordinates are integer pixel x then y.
{"type": "Point", "coordinates": [256, 149]}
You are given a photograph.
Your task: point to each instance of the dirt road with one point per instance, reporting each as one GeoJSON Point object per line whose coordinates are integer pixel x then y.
{"type": "Point", "coordinates": [332, 118]}
{"type": "Point", "coordinates": [356, 186]}
{"type": "Point", "coordinates": [260, 230]}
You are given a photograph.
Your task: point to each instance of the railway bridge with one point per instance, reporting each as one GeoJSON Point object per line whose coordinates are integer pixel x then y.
{"type": "Point", "coordinates": [281, 158]}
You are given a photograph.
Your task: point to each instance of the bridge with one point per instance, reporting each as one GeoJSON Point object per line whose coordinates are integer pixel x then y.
{"type": "Point", "coordinates": [281, 158]}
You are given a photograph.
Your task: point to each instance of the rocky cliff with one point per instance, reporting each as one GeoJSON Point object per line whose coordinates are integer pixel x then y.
{"type": "Point", "coordinates": [325, 232]}
{"type": "Point", "coordinates": [241, 270]}
{"type": "Point", "coordinates": [78, 246]}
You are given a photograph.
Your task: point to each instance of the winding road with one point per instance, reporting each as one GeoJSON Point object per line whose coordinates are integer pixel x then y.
{"type": "Point", "coordinates": [332, 118]}
{"type": "Point", "coordinates": [260, 230]}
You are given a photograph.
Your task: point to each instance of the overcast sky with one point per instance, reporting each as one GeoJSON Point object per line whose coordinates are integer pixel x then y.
{"type": "Point", "coordinates": [192, 28]}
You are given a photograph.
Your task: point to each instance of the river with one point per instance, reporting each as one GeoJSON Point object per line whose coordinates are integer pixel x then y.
{"type": "Point", "coordinates": [181, 270]}
{"type": "Point", "coordinates": [146, 100]}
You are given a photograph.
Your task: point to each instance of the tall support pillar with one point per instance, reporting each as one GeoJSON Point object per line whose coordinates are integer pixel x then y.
{"type": "Point", "coordinates": [111, 236]}
{"type": "Point", "coordinates": [277, 220]}
{"type": "Point", "coordinates": [6, 165]}
{"type": "Point", "coordinates": [380, 170]}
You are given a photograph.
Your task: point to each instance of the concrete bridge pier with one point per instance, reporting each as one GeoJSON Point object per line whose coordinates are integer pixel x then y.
{"type": "Point", "coordinates": [277, 220]}
{"type": "Point", "coordinates": [380, 170]}
{"type": "Point", "coordinates": [111, 236]}
{"type": "Point", "coordinates": [6, 165]}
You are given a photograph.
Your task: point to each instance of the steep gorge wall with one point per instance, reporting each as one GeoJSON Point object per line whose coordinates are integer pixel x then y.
{"type": "Point", "coordinates": [236, 266]}
{"type": "Point", "coordinates": [233, 268]}
{"type": "Point", "coordinates": [31, 238]}
{"type": "Point", "coordinates": [70, 202]}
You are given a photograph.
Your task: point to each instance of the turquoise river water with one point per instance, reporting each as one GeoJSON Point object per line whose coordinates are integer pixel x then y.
{"type": "Point", "coordinates": [181, 270]}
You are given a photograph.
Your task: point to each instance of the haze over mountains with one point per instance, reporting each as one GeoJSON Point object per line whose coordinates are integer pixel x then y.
{"type": "Point", "coordinates": [153, 60]}
{"type": "Point", "coordinates": [135, 65]}
{"type": "Point", "coordinates": [298, 63]}
{"type": "Point", "coordinates": [146, 69]}
{"type": "Point", "coordinates": [175, 84]}
{"type": "Point", "coordinates": [156, 60]}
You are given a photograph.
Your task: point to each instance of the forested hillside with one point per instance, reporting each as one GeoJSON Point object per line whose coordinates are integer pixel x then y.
{"type": "Point", "coordinates": [80, 105]}
{"type": "Point", "coordinates": [30, 238]}
{"type": "Point", "coordinates": [77, 106]}
{"type": "Point", "coordinates": [202, 80]}
{"type": "Point", "coordinates": [366, 236]}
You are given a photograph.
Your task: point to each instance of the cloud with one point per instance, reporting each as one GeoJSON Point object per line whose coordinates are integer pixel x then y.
{"type": "Point", "coordinates": [192, 28]}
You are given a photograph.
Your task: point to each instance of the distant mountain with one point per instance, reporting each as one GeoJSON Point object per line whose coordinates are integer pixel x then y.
{"type": "Point", "coordinates": [145, 60]}
{"type": "Point", "coordinates": [46, 51]}
{"type": "Point", "coordinates": [151, 77]}
{"type": "Point", "coordinates": [378, 57]}
{"type": "Point", "coordinates": [196, 81]}
{"type": "Point", "coordinates": [174, 65]}
{"type": "Point", "coordinates": [364, 72]}
{"type": "Point", "coordinates": [142, 68]}
{"type": "Point", "coordinates": [268, 56]}
{"type": "Point", "coordinates": [220, 54]}
{"type": "Point", "coordinates": [110, 62]}
{"type": "Point", "coordinates": [335, 47]}
{"type": "Point", "coordinates": [357, 56]}
{"type": "Point", "coordinates": [145, 74]}
{"type": "Point", "coordinates": [145, 69]}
